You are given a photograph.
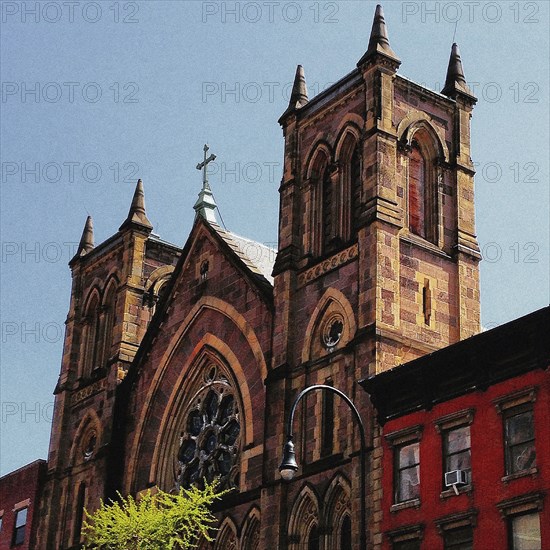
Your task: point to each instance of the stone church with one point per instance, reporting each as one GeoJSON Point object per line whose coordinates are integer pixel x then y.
{"type": "Point", "coordinates": [182, 363]}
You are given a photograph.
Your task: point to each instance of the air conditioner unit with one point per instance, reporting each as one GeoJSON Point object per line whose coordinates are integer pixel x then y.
{"type": "Point", "coordinates": [455, 478]}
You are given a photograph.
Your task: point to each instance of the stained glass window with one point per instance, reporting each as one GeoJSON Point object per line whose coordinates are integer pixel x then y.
{"type": "Point", "coordinates": [210, 439]}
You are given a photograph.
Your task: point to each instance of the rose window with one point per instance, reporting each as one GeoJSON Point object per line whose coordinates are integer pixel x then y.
{"type": "Point", "coordinates": [332, 331]}
{"type": "Point", "coordinates": [209, 442]}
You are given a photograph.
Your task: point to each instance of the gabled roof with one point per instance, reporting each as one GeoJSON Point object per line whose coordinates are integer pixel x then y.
{"type": "Point", "coordinates": [256, 256]}
{"type": "Point", "coordinates": [257, 268]}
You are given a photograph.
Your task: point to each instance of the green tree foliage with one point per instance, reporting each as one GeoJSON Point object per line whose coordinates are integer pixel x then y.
{"type": "Point", "coordinates": [157, 521]}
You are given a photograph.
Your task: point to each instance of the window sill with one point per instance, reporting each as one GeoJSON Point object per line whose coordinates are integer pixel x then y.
{"type": "Point", "coordinates": [415, 503]}
{"type": "Point", "coordinates": [533, 472]}
{"type": "Point", "coordinates": [461, 490]}
{"type": "Point", "coordinates": [421, 242]}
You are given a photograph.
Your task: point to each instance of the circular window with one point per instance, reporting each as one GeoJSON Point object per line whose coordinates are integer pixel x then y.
{"type": "Point", "coordinates": [209, 442]}
{"type": "Point", "coordinates": [332, 331]}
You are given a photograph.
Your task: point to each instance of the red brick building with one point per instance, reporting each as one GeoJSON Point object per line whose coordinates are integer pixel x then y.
{"type": "Point", "coordinates": [466, 442]}
{"type": "Point", "coordinates": [182, 363]}
{"type": "Point", "coordinates": [19, 504]}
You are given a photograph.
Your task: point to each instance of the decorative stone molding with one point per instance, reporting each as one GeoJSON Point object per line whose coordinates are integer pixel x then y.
{"type": "Point", "coordinates": [88, 391]}
{"type": "Point", "coordinates": [328, 265]}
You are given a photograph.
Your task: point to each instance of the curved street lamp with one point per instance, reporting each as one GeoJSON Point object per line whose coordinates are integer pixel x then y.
{"type": "Point", "coordinates": [289, 466]}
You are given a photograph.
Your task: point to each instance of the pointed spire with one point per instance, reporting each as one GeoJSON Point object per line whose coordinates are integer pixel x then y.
{"type": "Point", "coordinates": [379, 43]}
{"type": "Point", "coordinates": [86, 244]}
{"type": "Point", "coordinates": [137, 215]}
{"type": "Point", "coordinates": [455, 82]}
{"type": "Point", "coordinates": [87, 240]}
{"type": "Point", "coordinates": [298, 97]}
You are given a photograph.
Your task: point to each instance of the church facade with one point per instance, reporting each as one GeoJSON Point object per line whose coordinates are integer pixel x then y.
{"type": "Point", "coordinates": [182, 363]}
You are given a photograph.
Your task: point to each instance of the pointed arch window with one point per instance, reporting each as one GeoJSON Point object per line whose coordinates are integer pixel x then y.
{"type": "Point", "coordinates": [227, 537]}
{"type": "Point", "coordinates": [345, 534]}
{"type": "Point", "coordinates": [108, 318]}
{"type": "Point", "coordinates": [210, 437]}
{"type": "Point", "coordinates": [79, 511]}
{"type": "Point", "coordinates": [327, 209]}
{"type": "Point", "coordinates": [337, 514]}
{"type": "Point", "coordinates": [354, 190]}
{"type": "Point", "coordinates": [349, 190]}
{"type": "Point", "coordinates": [417, 191]}
{"type": "Point", "coordinates": [251, 536]}
{"type": "Point", "coordinates": [422, 188]}
{"type": "Point", "coordinates": [91, 337]}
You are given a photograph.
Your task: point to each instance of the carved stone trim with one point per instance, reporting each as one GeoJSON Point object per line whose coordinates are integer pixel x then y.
{"type": "Point", "coordinates": [88, 391]}
{"type": "Point", "coordinates": [328, 265]}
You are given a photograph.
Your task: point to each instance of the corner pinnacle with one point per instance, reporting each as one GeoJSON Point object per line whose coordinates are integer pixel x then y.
{"type": "Point", "coordinates": [86, 244]}
{"type": "Point", "coordinates": [87, 240]}
{"type": "Point", "coordinates": [455, 83]}
{"type": "Point", "coordinates": [379, 43]}
{"type": "Point", "coordinates": [298, 97]}
{"type": "Point", "coordinates": [137, 214]}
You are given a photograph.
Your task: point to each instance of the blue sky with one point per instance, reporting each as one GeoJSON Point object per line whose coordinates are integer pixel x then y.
{"type": "Point", "coordinates": [97, 94]}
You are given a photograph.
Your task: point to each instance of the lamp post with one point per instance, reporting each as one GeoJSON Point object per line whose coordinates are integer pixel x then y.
{"type": "Point", "coordinates": [289, 466]}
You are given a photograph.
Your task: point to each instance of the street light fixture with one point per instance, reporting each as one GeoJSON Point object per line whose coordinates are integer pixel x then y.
{"type": "Point", "coordinates": [289, 466]}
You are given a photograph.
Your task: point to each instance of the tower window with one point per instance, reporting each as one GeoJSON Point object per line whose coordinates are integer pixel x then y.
{"type": "Point", "coordinates": [355, 189]}
{"type": "Point", "coordinates": [327, 211]}
{"type": "Point", "coordinates": [327, 428]}
{"type": "Point", "coordinates": [417, 191]}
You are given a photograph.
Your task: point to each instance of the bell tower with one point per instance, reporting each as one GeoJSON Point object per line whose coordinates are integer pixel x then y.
{"type": "Point", "coordinates": [114, 285]}
{"type": "Point", "coordinates": [378, 259]}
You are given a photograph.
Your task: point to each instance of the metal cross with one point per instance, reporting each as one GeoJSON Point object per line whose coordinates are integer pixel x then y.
{"type": "Point", "coordinates": [204, 166]}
